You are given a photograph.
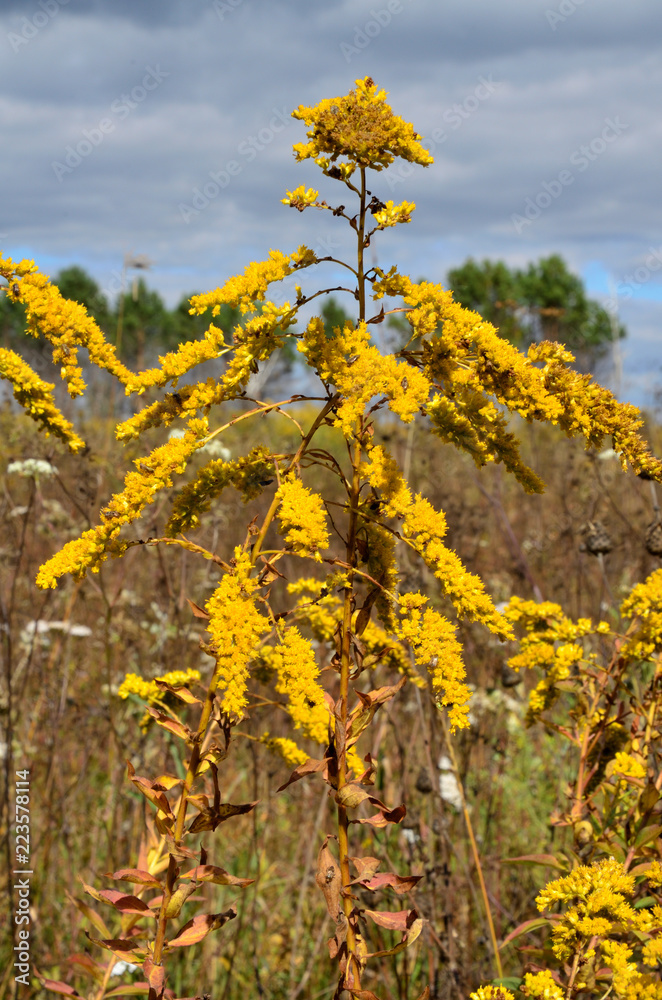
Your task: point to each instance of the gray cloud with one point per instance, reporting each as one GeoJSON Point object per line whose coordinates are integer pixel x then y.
{"type": "Point", "coordinates": [231, 71]}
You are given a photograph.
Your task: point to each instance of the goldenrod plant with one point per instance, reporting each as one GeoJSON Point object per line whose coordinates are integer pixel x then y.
{"type": "Point", "coordinates": [337, 642]}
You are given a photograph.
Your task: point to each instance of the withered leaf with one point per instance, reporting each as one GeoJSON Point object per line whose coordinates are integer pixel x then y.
{"type": "Point", "coordinates": [197, 610]}
{"type": "Point", "coordinates": [124, 903]}
{"type": "Point", "coordinates": [409, 938]}
{"type": "Point", "coordinates": [150, 789]}
{"type": "Point", "coordinates": [55, 986]}
{"type": "Point", "coordinates": [120, 946]}
{"type": "Point", "coordinates": [155, 976]}
{"type": "Point", "coordinates": [310, 766]}
{"type": "Point", "coordinates": [219, 876]}
{"type": "Point", "coordinates": [399, 883]}
{"type": "Point", "coordinates": [132, 989]}
{"type": "Point", "coordinates": [365, 867]}
{"type": "Point", "coordinates": [363, 715]}
{"type": "Point", "coordinates": [385, 815]}
{"type": "Point", "coordinates": [174, 727]}
{"type": "Point", "coordinates": [135, 875]}
{"type": "Point", "coordinates": [351, 795]}
{"type": "Point", "coordinates": [209, 819]}
{"type": "Point", "coordinates": [393, 920]}
{"type": "Point", "coordinates": [329, 879]}
{"type": "Point", "coordinates": [199, 927]}
{"type": "Point", "coordinates": [182, 693]}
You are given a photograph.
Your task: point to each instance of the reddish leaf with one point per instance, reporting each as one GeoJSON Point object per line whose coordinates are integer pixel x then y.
{"type": "Point", "coordinates": [120, 946]}
{"type": "Point", "coordinates": [398, 920]}
{"type": "Point", "coordinates": [199, 927]}
{"type": "Point", "coordinates": [55, 986]}
{"type": "Point", "coordinates": [399, 883]}
{"type": "Point", "coordinates": [135, 875]}
{"type": "Point", "coordinates": [155, 976]}
{"type": "Point", "coordinates": [150, 789]}
{"type": "Point", "coordinates": [408, 939]}
{"type": "Point", "coordinates": [528, 925]}
{"type": "Point", "coordinates": [122, 902]}
{"type": "Point", "coordinates": [310, 766]}
{"type": "Point", "coordinates": [219, 876]}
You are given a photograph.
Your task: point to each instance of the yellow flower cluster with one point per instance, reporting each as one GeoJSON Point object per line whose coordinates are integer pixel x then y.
{"type": "Point", "coordinates": [301, 198]}
{"type": "Point", "coordinates": [435, 646]}
{"type": "Point", "coordinates": [287, 749]}
{"type": "Point", "coordinates": [64, 323]}
{"type": "Point", "coordinates": [360, 127]}
{"type": "Point", "coordinates": [150, 691]}
{"type": "Point", "coordinates": [248, 474]}
{"type": "Point", "coordinates": [36, 398]}
{"type": "Point", "coordinates": [392, 214]}
{"type": "Point", "coordinates": [541, 986]}
{"type": "Point", "coordinates": [360, 371]}
{"type": "Point", "coordinates": [153, 473]}
{"type": "Point", "coordinates": [423, 528]}
{"type": "Point", "coordinates": [464, 357]}
{"type": "Point", "coordinates": [491, 993]}
{"type": "Point", "coordinates": [549, 643]}
{"type": "Point", "coordinates": [243, 291]}
{"type": "Point", "coordinates": [644, 603]}
{"type": "Point", "coordinates": [297, 676]}
{"type": "Point", "coordinates": [595, 897]}
{"type": "Point", "coordinates": [235, 626]}
{"type": "Point", "coordinates": [628, 766]}
{"type": "Point", "coordinates": [302, 518]}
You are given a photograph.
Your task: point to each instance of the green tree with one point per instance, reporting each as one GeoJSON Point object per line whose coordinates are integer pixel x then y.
{"type": "Point", "coordinates": [81, 287]}
{"type": "Point", "coordinates": [545, 301]}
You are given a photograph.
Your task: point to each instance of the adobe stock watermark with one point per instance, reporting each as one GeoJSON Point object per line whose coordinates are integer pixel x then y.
{"type": "Point", "coordinates": [248, 149]}
{"type": "Point", "coordinates": [31, 26]}
{"type": "Point", "coordinates": [120, 109]}
{"type": "Point", "coordinates": [453, 119]}
{"type": "Point", "coordinates": [363, 35]}
{"type": "Point", "coordinates": [581, 159]}
{"type": "Point", "coordinates": [225, 7]}
{"type": "Point", "coordinates": [629, 283]}
{"type": "Point", "coordinates": [565, 10]}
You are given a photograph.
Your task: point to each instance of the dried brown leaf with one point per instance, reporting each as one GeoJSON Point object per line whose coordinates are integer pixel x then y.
{"type": "Point", "coordinates": [329, 879]}
{"type": "Point", "coordinates": [135, 875]}
{"type": "Point", "coordinates": [219, 876]}
{"type": "Point", "coordinates": [310, 766]}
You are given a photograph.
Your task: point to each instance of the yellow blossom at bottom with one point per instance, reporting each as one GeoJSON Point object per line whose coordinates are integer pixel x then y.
{"type": "Point", "coordinates": [491, 993]}
{"type": "Point", "coordinates": [541, 986]}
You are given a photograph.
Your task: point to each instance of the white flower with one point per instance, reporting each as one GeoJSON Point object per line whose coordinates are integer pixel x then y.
{"type": "Point", "coordinates": [34, 467]}
{"type": "Point", "coordinates": [120, 968]}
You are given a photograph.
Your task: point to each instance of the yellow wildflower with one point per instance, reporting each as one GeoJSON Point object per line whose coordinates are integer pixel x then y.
{"type": "Point", "coordinates": [301, 198]}
{"type": "Point", "coordinates": [433, 641]}
{"type": "Point", "coordinates": [491, 993]}
{"type": "Point", "coordinates": [392, 214]}
{"type": "Point", "coordinates": [302, 517]}
{"type": "Point", "coordinates": [541, 986]}
{"type": "Point", "coordinates": [287, 749]}
{"type": "Point", "coordinates": [235, 626]}
{"type": "Point", "coordinates": [360, 127]}
{"type": "Point", "coordinates": [36, 398]}
{"type": "Point", "coordinates": [297, 677]}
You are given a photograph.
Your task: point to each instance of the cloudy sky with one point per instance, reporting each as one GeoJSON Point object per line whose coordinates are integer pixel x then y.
{"type": "Point", "coordinates": [162, 128]}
